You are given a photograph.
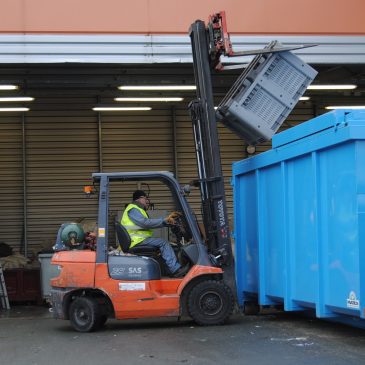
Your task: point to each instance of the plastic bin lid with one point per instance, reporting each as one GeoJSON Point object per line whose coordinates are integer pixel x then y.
{"type": "Point", "coordinates": [316, 125]}
{"type": "Point", "coordinates": [45, 255]}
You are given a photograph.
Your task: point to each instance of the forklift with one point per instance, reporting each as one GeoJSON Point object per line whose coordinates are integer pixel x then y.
{"type": "Point", "coordinates": [94, 285]}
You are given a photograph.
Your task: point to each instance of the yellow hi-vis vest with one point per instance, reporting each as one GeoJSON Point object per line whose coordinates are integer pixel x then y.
{"type": "Point", "coordinates": [137, 233]}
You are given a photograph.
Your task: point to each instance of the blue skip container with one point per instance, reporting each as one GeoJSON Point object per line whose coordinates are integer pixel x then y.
{"type": "Point", "coordinates": [299, 214]}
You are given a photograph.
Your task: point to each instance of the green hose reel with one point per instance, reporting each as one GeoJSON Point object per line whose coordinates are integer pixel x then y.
{"type": "Point", "coordinates": [70, 236]}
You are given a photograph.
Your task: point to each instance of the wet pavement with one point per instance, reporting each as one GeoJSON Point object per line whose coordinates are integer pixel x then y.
{"type": "Point", "coordinates": [29, 336]}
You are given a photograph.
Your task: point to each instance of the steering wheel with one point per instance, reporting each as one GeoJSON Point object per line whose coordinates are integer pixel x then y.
{"type": "Point", "coordinates": [179, 229]}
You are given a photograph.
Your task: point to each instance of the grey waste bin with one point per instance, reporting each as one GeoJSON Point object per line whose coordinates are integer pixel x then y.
{"type": "Point", "coordinates": [48, 272]}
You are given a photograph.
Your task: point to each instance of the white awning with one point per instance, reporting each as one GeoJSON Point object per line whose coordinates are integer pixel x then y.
{"type": "Point", "coordinates": [144, 49]}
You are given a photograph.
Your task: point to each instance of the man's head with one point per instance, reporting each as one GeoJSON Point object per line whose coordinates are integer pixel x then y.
{"type": "Point", "coordinates": [141, 197]}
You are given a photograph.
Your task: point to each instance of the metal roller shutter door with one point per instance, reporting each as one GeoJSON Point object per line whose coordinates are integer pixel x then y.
{"type": "Point", "coordinates": [11, 180]}
{"type": "Point", "coordinates": [138, 141]}
{"type": "Point", "coordinates": [62, 151]}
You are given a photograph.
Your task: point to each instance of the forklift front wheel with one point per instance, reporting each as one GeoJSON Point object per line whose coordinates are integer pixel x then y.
{"type": "Point", "coordinates": [210, 303]}
{"type": "Point", "coordinates": [85, 314]}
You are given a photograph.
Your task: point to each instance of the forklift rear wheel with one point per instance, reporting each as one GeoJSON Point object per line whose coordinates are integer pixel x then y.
{"type": "Point", "coordinates": [210, 303]}
{"type": "Point", "coordinates": [85, 314]}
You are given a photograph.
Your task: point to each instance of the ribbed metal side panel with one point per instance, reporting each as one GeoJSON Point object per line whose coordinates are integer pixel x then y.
{"type": "Point", "coordinates": [11, 180]}
{"type": "Point", "coordinates": [163, 48]}
{"type": "Point", "coordinates": [62, 151]}
{"type": "Point", "coordinates": [138, 141]}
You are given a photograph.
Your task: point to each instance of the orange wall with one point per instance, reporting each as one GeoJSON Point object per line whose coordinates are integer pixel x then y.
{"type": "Point", "coordinates": [175, 16]}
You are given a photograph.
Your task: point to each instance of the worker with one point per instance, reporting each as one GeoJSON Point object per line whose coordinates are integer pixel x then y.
{"type": "Point", "coordinates": [139, 226]}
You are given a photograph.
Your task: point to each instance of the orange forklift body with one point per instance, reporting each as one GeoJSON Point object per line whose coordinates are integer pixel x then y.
{"type": "Point", "coordinates": [130, 299]}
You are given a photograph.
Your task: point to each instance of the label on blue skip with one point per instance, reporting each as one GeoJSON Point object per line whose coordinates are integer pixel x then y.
{"type": "Point", "coordinates": [352, 302]}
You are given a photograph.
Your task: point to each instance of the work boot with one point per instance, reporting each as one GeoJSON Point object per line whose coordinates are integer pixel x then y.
{"type": "Point", "coordinates": [181, 271]}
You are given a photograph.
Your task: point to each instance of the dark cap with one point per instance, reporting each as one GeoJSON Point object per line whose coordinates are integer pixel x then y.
{"type": "Point", "coordinates": [138, 194]}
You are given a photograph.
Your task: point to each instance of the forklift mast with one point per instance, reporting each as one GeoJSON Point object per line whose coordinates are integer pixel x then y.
{"type": "Point", "coordinates": [259, 87]}
{"type": "Point", "coordinates": [206, 49]}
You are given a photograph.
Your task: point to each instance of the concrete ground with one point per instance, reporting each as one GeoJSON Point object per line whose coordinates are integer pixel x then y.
{"type": "Point", "coordinates": [29, 336]}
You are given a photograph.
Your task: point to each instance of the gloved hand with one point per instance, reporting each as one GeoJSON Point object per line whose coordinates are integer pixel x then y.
{"type": "Point", "coordinates": [171, 218]}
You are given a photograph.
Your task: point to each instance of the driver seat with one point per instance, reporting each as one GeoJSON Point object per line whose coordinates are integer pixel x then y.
{"type": "Point", "coordinates": [125, 241]}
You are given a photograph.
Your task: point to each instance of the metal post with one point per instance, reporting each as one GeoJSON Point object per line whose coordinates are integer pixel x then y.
{"type": "Point", "coordinates": [174, 141]}
{"type": "Point", "coordinates": [100, 143]}
{"type": "Point", "coordinates": [102, 241]}
{"type": "Point", "coordinates": [315, 109]}
{"type": "Point", "coordinates": [25, 215]}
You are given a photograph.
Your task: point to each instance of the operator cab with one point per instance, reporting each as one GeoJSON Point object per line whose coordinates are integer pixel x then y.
{"type": "Point", "coordinates": [111, 240]}
{"type": "Point", "coordinates": [115, 193]}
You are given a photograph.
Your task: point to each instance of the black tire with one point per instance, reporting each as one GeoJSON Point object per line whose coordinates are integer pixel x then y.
{"type": "Point", "coordinates": [102, 321]}
{"type": "Point", "coordinates": [210, 303]}
{"type": "Point", "coordinates": [85, 314]}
